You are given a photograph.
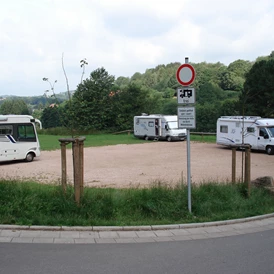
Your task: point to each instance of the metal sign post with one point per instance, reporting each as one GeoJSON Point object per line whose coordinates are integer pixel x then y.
{"type": "Point", "coordinates": [186, 114]}
{"type": "Point", "coordinates": [188, 172]}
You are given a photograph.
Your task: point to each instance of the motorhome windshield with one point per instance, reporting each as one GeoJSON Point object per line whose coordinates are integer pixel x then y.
{"type": "Point", "coordinates": [173, 125]}
{"type": "Point", "coordinates": [271, 129]}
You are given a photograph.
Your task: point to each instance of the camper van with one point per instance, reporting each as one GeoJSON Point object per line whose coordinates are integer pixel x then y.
{"type": "Point", "coordinates": [158, 127]}
{"type": "Point", "coordinates": [253, 130]}
{"type": "Point", "coordinates": [18, 138]}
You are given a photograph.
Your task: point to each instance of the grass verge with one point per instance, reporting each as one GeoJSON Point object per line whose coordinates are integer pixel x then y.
{"type": "Point", "coordinates": [26, 203]}
{"type": "Point", "coordinates": [50, 142]}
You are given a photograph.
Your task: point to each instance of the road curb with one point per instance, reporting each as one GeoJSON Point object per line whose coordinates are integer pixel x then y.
{"type": "Point", "coordinates": [136, 228]}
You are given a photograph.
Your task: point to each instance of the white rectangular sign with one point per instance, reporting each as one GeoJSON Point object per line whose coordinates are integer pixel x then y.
{"type": "Point", "coordinates": [186, 95]}
{"type": "Point", "coordinates": [186, 117]}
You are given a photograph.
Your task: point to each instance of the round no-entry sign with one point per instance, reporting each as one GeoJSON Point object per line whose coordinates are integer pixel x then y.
{"type": "Point", "coordinates": [185, 74]}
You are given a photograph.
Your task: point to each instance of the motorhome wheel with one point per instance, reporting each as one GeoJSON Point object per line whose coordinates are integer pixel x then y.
{"type": "Point", "coordinates": [270, 150]}
{"type": "Point", "coordinates": [169, 139]}
{"type": "Point", "coordinates": [146, 138]}
{"type": "Point", "coordinates": [30, 157]}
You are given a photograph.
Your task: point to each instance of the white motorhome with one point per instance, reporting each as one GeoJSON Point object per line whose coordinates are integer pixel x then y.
{"type": "Point", "coordinates": [158, 127]}
{"type": "Point", "coordinates": [18, 138]}
{"type": "Point", "coordinates": [253, 130]}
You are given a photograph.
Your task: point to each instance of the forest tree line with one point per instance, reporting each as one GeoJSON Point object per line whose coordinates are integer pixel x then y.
{"type": "Point", "coordinates": [103, 103]}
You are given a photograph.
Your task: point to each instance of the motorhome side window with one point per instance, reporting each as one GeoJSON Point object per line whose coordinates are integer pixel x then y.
{"type": "Point", "coordinates": [26, 133]}
{"type": "Point", "coordinates": [224, 129]}
{"type": "Point", "coordinates": [151, 124]}
{"type": "Point", "coordinates": [5, 130]}
{"type": "Point", "coordinates": [263, 132]}
{"type": "Point", "coordinates": [250, 129]}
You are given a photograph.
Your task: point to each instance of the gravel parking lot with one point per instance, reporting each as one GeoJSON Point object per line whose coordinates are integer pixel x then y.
{"type": "Point", "coordinates": [141, 164]}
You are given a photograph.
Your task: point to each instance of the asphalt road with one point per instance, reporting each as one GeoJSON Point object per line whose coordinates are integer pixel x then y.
{"type": "Point", "coordinates": [249, 253]}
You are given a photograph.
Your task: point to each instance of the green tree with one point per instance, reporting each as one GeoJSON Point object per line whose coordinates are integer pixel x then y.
{"type": "Point", "coordinates": [257, 97]}
{"type": "Point", "coordinates": [90, 105]}
{"type": "Point", "coordinates": [240, 67]}
{"type": "Point", "coordinates": [270, 56]}
{"type": "Point", "coordinates": [149, 79]}
{"type": "Point", "coordinates": [132, 101]}
{"type": "Point", "coordinates": [209, 93]}
{"type": "Point", "coordinates": [14, 106]}
{"type": "Point", "coordinates": [122, 81]}
{"type": "Point", "coordinates": [170, 107]}
{"type": "Point", "coordinates": [50, 117]}
{"type": "Point", "coordinates": [206, 117]}
{"type": "Point", "coordinates": [230, 107]}
{"type": "Point", "coordinates": [136, 76]}
{"type": "Point", "coordinates": [208, 72]}
{"type": "Point", "coordinates": [234, 77]}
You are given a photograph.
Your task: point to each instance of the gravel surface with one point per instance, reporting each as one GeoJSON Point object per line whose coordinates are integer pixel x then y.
{"type": "Point", "coordinates": [140, 165]}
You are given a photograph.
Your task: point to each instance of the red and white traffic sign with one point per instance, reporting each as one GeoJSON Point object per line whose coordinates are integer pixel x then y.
{"type": "Point", "coordinates": [185, 74]}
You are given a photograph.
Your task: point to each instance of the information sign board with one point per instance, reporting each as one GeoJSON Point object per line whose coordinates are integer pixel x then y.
{"type": "Point", "coordinates": [186, 117]}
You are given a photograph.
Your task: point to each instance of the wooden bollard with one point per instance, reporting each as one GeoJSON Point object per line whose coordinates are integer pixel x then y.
{"type": "Point", "coordinates": [64, 166]}
{"type": "Point", "coordinates": [78, 165]}
{"type": "Point", "coordinates": [81, 167]}
{"type": "Point", "coordinates": [76, 170]}
{"type": "Point", "coordinates": [247, 169]}
{"type": "Point", "coordinates": [233, 165]}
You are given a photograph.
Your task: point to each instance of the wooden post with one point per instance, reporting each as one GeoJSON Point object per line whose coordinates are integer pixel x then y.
{"type": "Point", "coordinates": [233, 165]}
{"type": "Point", "coordinates": [76, 170]}
{"type": "Point", "coordinates": [247, 169]}
{"type": "Point", "coordinates": [81, 166]}
{"type": "Point", "coordinates": [64, 166]}
{"type": "Point", "coordinates": [78, 164]}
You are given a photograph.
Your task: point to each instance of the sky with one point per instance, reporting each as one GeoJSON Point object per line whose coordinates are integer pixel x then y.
{"type": "Point", "coordinates": [124, 37]}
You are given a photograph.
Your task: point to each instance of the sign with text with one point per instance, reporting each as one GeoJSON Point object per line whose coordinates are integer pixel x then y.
{"type": "Point", "coordinates": [186, 95]}
{"type": "Point", "coordinates": [186, 117]}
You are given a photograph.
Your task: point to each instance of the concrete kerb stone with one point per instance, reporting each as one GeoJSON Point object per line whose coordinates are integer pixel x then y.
{"type": "Point", "coordinates": [135, 228]}
{"type": "Point", "coordinates": [14, 227]}
{"type": "Point", "coordinates": [164, 227]}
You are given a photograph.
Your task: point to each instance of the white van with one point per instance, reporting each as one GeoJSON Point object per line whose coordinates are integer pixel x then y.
{"type": "Point", "coordinates": [18, 138]}
{"type": "Point", "coordinates": [158, 127]}
{"type": "Point", "coordinates": [253, 130]}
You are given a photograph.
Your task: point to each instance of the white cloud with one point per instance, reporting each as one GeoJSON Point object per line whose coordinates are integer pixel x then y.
{"type": "Point", "coordinates": [124, 36]}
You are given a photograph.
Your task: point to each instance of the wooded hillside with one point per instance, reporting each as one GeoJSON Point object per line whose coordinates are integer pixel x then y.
{"type": "Point", "coordinates": [102, 102]}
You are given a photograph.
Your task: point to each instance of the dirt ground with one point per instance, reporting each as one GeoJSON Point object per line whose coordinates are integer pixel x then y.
{"type": "Point", "coordinates": [141, 164]}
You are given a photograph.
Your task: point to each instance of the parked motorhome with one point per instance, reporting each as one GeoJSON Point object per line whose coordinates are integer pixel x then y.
{"type": "Point", "coordinates": [253, 130]}
{"type": "Point", "coordinates": [18, 138]}
{"type": "Point", "coordinates": [158, 127]}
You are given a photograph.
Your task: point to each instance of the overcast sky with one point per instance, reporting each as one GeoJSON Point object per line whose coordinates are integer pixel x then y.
{"type": "Point", "coordinates": [124, 37]}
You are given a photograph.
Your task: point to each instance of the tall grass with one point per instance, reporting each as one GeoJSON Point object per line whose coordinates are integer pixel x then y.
{"type": "Point", "coordinates": [28, 203]}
